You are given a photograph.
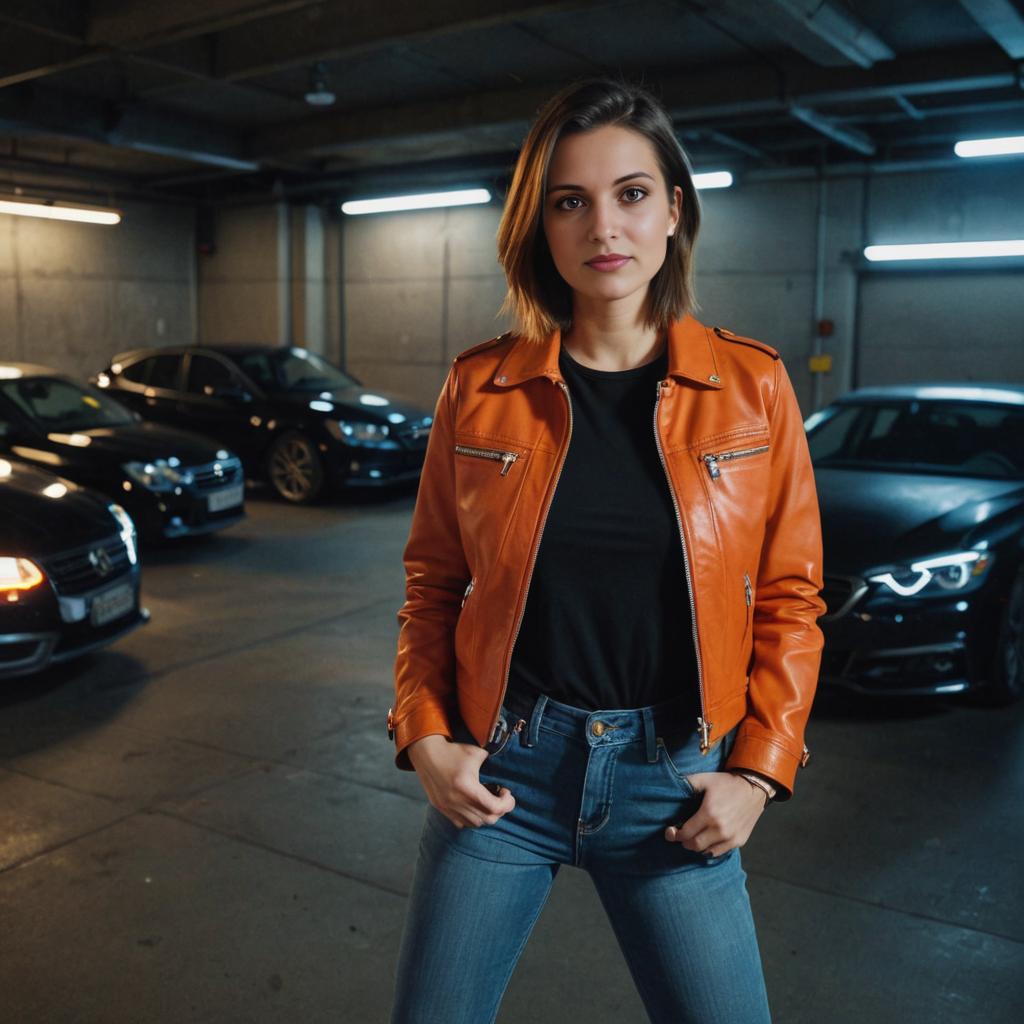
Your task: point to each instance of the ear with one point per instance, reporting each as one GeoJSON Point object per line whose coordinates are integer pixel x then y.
{"type": "Point", "coordinates": [675, 209]}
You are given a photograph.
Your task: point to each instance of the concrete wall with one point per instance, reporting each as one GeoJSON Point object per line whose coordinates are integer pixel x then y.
{"type": "Point", "coordinates": [72, 295]}
{"type": "Point", "coordinates": [420, 286]}
{"type": "Point", "coordinates": [393, 297]}
{"type": "Point", "coordinates": [272, 279]}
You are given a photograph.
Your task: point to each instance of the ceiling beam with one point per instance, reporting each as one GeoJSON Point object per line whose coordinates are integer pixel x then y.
{"type": "Point", "coordinates": [338, 29]}
{"type": "Point", "coordinates": [704, 94]}
{"type": "Point", "coordinates": [33, 110]}
{"type": "Point", "coordinates": [1002, 21]}
{"type": "Point", "coordinates": [824, 32]}
{"type": "Point", "coordinates": [116, 27]}
{"type": "Point", "coordinates": [144, 23]}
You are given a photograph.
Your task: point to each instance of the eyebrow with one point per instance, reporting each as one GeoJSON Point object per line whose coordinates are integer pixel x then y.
{"type": "Point", "coordinates": [617, 181]}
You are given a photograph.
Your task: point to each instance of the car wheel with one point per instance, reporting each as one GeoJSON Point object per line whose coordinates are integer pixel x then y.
{"type": "Point", "coordinates": [1008, 667]}
{"type": "Point", "coordinates": [295, 468]}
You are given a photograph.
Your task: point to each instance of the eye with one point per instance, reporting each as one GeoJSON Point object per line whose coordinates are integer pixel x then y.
{"type": "Point", "coordinates": [636, 188]}
{"type": "Point", "coordinates": [565, 199]}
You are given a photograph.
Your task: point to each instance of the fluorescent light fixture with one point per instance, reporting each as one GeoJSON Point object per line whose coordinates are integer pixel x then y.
{"type": "Point", "coordinates": [945, 250]}
{"type": "Point", "coordinates": [421, 201]}
{"type": "Point", "coordinates": [990, 147]}
{"type": "Point", "coordinates": [51, 212]}
{"type": "Point", "coordinates": [713, 179]}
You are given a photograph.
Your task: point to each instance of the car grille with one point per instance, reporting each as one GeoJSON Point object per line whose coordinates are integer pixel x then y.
{"type": "Point", "coordinates": [412, 433]}
{"type": "Point", "coordinates": [841, 593]}
{"type": "Point", "coordinates": [217, 474]}
{"type": "Point", "coordinates": [85, 568]}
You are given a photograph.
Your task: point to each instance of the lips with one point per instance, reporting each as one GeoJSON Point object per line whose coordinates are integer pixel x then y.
{"type": "Point", "coordinates": [608, 262]}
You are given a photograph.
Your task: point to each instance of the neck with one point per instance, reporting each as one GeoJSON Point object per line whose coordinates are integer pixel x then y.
{"type": "Point", "coordinates": [611, 339]}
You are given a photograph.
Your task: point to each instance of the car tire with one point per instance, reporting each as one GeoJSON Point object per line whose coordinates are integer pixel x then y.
{"type": "Point", "coordinates": [295, 469]}
{"type": "Point", "coordinates": [1007, 683]}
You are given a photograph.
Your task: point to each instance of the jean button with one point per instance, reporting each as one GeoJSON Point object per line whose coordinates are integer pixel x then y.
{"type": "Point", "coordinates": [598, 728]}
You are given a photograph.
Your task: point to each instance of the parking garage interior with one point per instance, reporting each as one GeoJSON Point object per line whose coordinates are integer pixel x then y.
{"type": "Point", "coordinates": [202, 820]}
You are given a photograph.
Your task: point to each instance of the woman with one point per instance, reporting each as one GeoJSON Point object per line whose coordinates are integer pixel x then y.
{"type": "Point", "coordinates": [645, 482]}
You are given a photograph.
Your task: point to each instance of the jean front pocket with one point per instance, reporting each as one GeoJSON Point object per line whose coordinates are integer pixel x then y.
{"type": "Point", "coordinates": [671, 756]}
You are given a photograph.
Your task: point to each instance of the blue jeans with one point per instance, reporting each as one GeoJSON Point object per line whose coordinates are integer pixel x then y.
{"type": "Point", "coordinates": [595, 790]}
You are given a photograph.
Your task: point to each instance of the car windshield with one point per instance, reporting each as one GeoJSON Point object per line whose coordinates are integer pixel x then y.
{"type": "Point", "coordinates": [292, 369]}
{"type": "Point", "coordinates": [59, 405]}
{"type": "Point", "coordinates": [955, 438]}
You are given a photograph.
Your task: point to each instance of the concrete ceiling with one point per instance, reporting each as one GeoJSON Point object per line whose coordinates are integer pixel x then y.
{"type": "Point", "coordinates": [204, 99]}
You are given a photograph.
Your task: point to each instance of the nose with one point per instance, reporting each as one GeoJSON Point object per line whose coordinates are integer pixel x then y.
{"type": "Point", "coordinates": [603, 220]}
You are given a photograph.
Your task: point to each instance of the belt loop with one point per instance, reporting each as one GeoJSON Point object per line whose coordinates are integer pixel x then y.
{"type": "Point", "coordinates": [533, 730]}
{"type": "Point", "coordinates": [649, 735]}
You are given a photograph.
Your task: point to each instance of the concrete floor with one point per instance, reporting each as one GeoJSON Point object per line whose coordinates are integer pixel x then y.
{"type": "Point", "coordinates": [203, 823]}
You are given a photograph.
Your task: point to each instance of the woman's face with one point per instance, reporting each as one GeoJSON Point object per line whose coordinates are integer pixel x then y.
{"type": "Point", "coordinates": [606, 194]}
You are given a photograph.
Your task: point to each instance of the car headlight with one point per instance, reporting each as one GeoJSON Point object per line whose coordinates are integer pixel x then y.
{"type": "Point", "coordinates": [19, 574]}
{"type": "Point", "coordinates": [158, 475]}
{"type": "Point", "coordinates": [951, 573]}
{"type": "Point", "coordinates": [127, 530]}
{"type": "Point", "coordinates": [358, 432]}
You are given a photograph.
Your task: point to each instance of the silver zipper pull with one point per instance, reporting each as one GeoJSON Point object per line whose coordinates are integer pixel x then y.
{"type": "Point", "coordinates": [704, 729]}
{"type": "Point", "coordinates": [711, 461]}
{"type": "Point", "coordinates": [748, 590]}
{"type": "Point", "coordinates": [507, 459]}
{"type": "Point", "coordinates": [469, 590]}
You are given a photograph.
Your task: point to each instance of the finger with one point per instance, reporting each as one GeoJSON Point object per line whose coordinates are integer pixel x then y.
{"type": "Point", "coordinates": [699, 780]}
{"type": "Point", "coordinates": [488, 801]}
{"type": "Point", "coordinates": [684, 831]}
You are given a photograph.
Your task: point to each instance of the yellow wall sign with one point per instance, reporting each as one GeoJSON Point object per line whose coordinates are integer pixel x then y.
{"type": "Point", "coordinates": [820, 364]}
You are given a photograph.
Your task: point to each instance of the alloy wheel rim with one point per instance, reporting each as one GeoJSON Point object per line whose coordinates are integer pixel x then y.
{"type": "Point", "coordinates": [292, 469]}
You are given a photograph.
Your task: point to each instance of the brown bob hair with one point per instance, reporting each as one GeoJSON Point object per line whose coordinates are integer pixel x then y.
{"type": "Point", "coordinates": [538, 296]}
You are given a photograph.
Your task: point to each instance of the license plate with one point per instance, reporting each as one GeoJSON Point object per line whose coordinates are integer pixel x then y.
{"type": "Point", "coordinates": [226, 498]}
{"type": "Point", "coordinates": [112, 604]}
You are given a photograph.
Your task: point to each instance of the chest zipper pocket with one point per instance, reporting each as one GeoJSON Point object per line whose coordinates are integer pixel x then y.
{"type": "Point", "coordinates": [712, 460]}
{"type": "Point", "coordinates": [506, 458]}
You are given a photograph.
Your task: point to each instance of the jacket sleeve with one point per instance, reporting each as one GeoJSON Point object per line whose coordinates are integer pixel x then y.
{"type": "Point", "coordinates": [436, 576]}
{"type": "Point", "coordinates": [787, 639]}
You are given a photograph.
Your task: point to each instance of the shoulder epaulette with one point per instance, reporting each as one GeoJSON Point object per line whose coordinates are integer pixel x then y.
{"type": "Point", "coordinates": [483, 344]}
{"type": "Point", "coordinates": [728, 335]}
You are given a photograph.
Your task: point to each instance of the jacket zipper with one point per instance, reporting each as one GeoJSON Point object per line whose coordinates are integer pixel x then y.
{"type": "Point", "coordinates": [533, 560]}
{"type": "Point", "coordinates": [490, 453]}
{"type": "Point", "coordinates": [703, 725]}
{"type": "Point", "coordinates": [748, 592]}
{"type": "Point", "coordinates": [469, 590]}
{"type": "Point", "coordinates": [712, 461]}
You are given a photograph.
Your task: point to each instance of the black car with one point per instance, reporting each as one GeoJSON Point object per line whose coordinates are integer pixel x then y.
{"type": "Point", "coordinates": [921, 490]}
{"type": "Point", "coordinates": [69, 570]}
{"type": "Point", "coordinates": [172, 482]}
{"type": "Point", "coordinates": [294, 418]}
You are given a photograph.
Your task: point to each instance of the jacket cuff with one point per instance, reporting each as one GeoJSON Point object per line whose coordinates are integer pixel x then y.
{"type": "Point", "coordinates": [767, 756]}
{"type": "Point", "coordinates": [425, 719]}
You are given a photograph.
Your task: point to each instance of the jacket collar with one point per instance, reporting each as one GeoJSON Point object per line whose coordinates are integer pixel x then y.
{"type": "Point", "coordinates": [690, 356]}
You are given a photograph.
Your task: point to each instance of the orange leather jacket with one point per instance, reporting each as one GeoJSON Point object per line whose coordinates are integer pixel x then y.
{"type": "Point", "coordinates": [730, 435]}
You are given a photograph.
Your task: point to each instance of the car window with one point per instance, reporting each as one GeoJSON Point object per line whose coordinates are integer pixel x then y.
{"type": "Point", "coordinates": [137, 372]}
{"type": "Point", "coordinates": [959, 438]}
{"type": "Point", "coordinates": [206, 375]}
{"type": "Point", "coordinates": [163, 372]}
{"type": "Point", "coordinates": [63, 406]}
{"type": "Point", "coordinates": [293, 369]}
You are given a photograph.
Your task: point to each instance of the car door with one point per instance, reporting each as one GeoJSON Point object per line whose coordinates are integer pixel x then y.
{"type": "Point", "coordinates": [216, 401]}
{"type": "Point", "coordinates": [151, 386]}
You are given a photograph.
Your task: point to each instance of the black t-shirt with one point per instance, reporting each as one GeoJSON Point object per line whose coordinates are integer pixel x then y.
{"type": "Point", "coordinates": [607, 621]}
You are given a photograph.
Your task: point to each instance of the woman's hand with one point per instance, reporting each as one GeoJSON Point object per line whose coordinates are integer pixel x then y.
{"type": "Point", "coordinates": [726, 817]}
{"type": "Point", "coordinates": [450, 774]}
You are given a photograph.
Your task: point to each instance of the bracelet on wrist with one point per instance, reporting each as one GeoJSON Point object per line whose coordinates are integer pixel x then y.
{"type": "Point", "coordinates": [758, 783]}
